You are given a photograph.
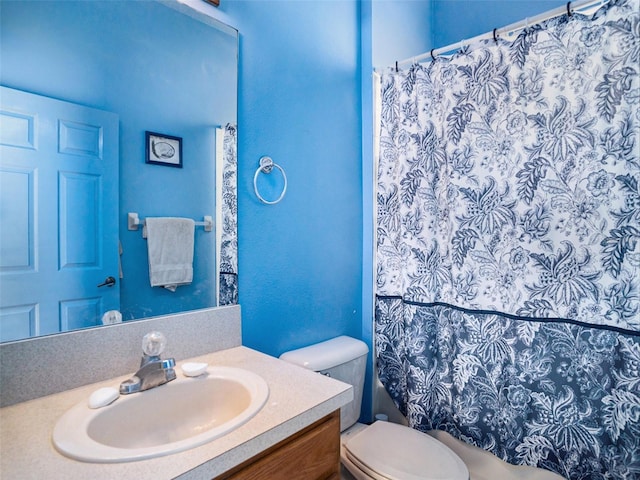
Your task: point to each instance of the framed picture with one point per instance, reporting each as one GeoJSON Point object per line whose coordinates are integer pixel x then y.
{"type": "Point", "coordinates": [163, 149]}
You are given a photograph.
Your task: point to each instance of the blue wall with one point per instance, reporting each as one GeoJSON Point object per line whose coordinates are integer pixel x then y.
{"type": "Point", "coordinates": [406, 28]}
{"type": "Point", "coordinates": [401, 29]}
{"type": "Point", "coordinates": [299, 102]}
{"type": "Point", "coordinates": [457, 20]}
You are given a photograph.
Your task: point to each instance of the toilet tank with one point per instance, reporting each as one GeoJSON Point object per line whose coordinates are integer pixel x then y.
{"type": "Point", "coordinates": [343, 358]}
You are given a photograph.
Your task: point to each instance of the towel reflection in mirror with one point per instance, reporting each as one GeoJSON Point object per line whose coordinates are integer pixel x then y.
{"type": "Point", "coordinates": [170, 242]}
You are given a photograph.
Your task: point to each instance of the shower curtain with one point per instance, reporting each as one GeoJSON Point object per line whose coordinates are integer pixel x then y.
{"type": "Point", "coordinates": [508, 244]}
{"type": "Point", "coordinates": [228, 289]}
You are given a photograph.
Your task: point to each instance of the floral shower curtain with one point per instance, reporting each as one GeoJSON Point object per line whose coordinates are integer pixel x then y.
{"type": "Point", "coordinates": [508, 244]}
{"type": "Point", "coordinates": [228, 290]}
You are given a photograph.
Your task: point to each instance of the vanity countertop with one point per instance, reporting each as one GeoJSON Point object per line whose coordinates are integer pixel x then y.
{"type": "Point", "coordinates": [297, 398]}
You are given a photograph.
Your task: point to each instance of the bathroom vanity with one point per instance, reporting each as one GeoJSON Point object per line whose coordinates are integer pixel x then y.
{"type": "Point", "coordinates": [312, 453]}
{"type": "Point", "coordinates": [296, 431]}
{"type": "Point", "coordinates": [294, 435]}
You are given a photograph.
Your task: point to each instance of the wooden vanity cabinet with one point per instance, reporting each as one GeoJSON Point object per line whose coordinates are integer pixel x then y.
{"type": "Point", "coordinates": [311, 454]}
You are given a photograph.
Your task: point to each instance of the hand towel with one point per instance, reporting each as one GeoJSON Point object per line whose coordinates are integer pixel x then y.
{"type": "Point", "coordinates": [170, 247]}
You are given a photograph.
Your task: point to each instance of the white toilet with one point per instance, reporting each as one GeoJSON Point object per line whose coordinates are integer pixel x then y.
{"type": "Point", "coordinates": [383, 450]}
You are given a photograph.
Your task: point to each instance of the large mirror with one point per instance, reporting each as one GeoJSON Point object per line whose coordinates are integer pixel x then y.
{"type": "Point", "coordinates": [112, 108]}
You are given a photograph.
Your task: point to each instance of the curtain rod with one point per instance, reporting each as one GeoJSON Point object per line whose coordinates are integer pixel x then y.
{"type": "Point", "coordinates": [509, 30]}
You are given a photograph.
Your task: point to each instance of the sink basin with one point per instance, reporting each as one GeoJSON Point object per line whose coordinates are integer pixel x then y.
{"type": "Point", "coordinates": [174, 417]}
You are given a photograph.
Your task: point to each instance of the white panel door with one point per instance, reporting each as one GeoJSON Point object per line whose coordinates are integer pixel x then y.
{"type": "Point", "coordinates": [58, 215]}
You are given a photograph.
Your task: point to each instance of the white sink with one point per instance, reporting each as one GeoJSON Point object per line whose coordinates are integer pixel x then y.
{"type": "Point", "coordinates": [174, 417]}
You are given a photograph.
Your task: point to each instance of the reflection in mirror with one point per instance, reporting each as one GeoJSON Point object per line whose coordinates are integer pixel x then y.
{"type": "Point", "coordinates": [228, 201]}
{"type": "Point", "coordinates": [82, 82]}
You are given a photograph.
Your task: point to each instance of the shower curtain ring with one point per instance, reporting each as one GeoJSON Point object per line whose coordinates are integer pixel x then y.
{"type": "Point", "coordinates": [495, 37]}
{"type": "Point", "coordinates": [433, 58]}
{"type": "Point", "coordinates": [569, 9]}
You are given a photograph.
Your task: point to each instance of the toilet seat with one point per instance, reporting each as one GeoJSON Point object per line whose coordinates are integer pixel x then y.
{"type": "Point", "coordinates": [388, 451]}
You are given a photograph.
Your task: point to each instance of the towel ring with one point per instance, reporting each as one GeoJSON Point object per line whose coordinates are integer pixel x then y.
{"type": "Point", "coordinates": [266, 166]}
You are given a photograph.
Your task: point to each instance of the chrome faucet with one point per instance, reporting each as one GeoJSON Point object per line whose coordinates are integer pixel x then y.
{"type": "Point", "coordinates": [153, 370]}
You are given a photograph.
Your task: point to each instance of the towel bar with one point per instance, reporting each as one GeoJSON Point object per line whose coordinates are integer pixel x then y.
{"type": "Point", "coordinates": [133, 222]}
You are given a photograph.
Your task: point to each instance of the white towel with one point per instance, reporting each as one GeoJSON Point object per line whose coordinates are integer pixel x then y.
{"type": "Point", "coordinates": [170, 247]}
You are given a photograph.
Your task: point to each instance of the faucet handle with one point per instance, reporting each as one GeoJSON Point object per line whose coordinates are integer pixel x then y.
{"type": "Point", "coordinates": [153, 344]}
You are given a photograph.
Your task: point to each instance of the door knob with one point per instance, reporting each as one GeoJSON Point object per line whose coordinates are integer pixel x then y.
{"type": "Point", "coordinates": [108, 282]}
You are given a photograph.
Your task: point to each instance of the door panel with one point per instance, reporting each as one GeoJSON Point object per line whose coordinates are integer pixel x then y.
{"type": "Point", "coordinates": [58, 214]}
{"type": "Point", "coordinates": [17, 239]}
{"type": "Point", "coordinates": [79, 223]}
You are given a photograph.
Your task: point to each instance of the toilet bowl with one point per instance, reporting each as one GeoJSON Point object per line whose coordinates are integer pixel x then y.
{"type": "Point", "coordinates": [388, 451]}
{"type": "Point", "coordinates": [382, 450]}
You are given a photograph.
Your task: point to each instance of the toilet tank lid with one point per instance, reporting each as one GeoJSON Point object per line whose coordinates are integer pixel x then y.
{"type": "Point", "coordinates": [328, 354]}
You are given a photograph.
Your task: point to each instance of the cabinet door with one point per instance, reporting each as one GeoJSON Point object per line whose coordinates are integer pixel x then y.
{"type": "Point", "coordinates": [312, 454]}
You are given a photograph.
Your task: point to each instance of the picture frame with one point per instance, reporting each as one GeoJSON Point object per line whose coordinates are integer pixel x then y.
{"type": "Point", "coordinates": [162, 149]}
